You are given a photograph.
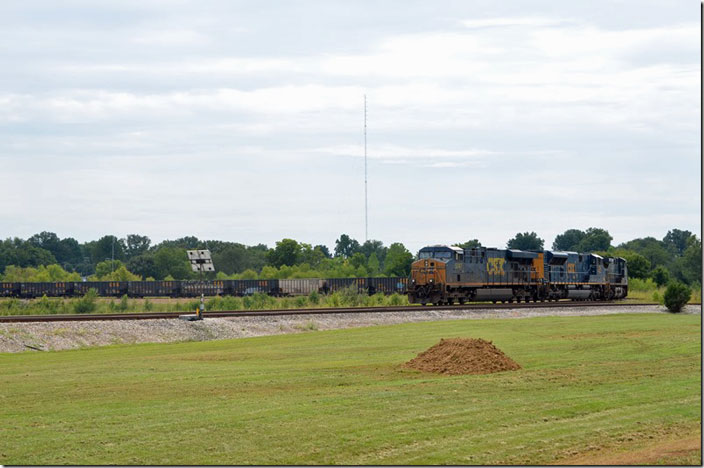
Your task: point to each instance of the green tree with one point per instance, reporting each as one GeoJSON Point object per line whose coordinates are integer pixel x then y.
{"type": "Point", "coordinates": [67, 252]}
{"type": "Point", "coordinates": [23, 254]}
{"type": "Point", "coordinates": [470, 244]}
{"type": "Point", "coordinates": [638, 266]}
{"type": "Point", "coordinates": [104, 269]}
{"type": "Point", "coordinates": [313, 256]}
{"type": "Point", "coordinates": [143, 265]}
{"type": "Point", "coordinates": [286, 252]}
{"type": "Point", "coordinates": [595, 239]}
{"type": "Point", "coordinates": [63, 252]}
{"type": "Point", "coordinates": [358, 260]}
{"type": "Point", "coordinates": [374, 247]}
{"type": "Point", "coordinates": [231, 259]}
{"type": "Point", "coordinates": [526, 241]}
{"type": "Point", "coordinates": [324, 250]}
{"type": "Point", "coordinates": [71, 255]}
{"type": "Point", "coordinates": [661, 275]}
{"type": "Point", "coordinates": [688, 267]}
{"type": "Point", "coordinates": [373, 264]}
{"type": "Point", "coordinates": [248, 274]}
{"type": "Point", "coordinates": [651, 248]}
{"type": "Point", "coordinates": [185, 243]}
{"type": "Point", "coordinates": [136, 245]}
{"type": "Point", "coordinates": [345, 246]}
{"type": "Point", "coordinates": [676, 240]}
{"type": "Point", "coordinates": [568, 240]}
{"type": "Point", "coordinates": [172, 261]}
{"type": "Point", "coordinates": [104, 248]}
{"type": "Point", "coordinates": [398, 260]}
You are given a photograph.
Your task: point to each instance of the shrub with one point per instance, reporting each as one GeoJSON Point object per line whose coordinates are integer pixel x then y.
{"type": "Point", "coordinates": [124, 304]}
{"type": "Point", "coordinates": [148, 306]}
{"type": "Point", "coordinates": [658, 298]}
{"type": "Point", "coordinates": [351, 297]}
{"type": "Point", "coordinates": [676, 296]}
{"type": "Point", "coordinates": [636, 284]}
{"type": "Point", "coordinates": [86, 304]}
{"type": "Point", "coordinates": [314, 298]}
{"type": "Point", "coordinates": [396, 299]}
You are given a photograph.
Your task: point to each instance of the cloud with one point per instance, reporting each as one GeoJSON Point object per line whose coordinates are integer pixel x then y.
{"type": "Point", "coordinates": [564, 108]}
{"type": "Point", "coordinates": [531, 21]}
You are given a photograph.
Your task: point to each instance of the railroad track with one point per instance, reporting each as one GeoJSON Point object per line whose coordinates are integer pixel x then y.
{"type": "Point", "coordinates": [320, 311]}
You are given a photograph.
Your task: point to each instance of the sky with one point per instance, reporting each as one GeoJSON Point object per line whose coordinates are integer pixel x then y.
{"type": "Point", "coordinates": [244, 120]}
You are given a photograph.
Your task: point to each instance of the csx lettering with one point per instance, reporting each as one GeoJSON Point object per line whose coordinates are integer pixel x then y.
{"type": "Point", "coordinates": [495, 266]}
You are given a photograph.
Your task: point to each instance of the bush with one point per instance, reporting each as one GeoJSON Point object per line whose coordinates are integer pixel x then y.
{"type": "Point", "coordinates": [658, 298]}
{"type": "Point", "coordinates": [86, 304]}
{"type": "Point", "coordinates": [676, 296]}
{"type": "Point", "coordinates": [396, 299]}
{"type": "Point", "coordinates": [646, 285]}
{"type": "Point", "coordinates": [314, 298]}
{"type": "Point", "coordinates": [124, 304]}
{"type": "Point", "coordinates": [351, 297]}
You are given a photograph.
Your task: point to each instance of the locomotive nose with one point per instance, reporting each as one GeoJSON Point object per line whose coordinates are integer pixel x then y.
{"type": "Point", "coordinates": [427, 271]}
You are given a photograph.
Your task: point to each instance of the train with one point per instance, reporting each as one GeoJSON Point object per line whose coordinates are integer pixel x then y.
{"type": "Point", "coordinates": [443, 275]}
{"type": "Point", "coordinates": [440, 275]}
{"type": "Point", "coordinates": [137, 289]}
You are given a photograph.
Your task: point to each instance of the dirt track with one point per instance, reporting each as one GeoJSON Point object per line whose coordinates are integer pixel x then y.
{"type": "Point", "coordinates": [679, 451]}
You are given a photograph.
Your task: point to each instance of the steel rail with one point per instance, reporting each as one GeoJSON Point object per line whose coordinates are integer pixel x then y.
{"type": "Point", "coordinates": [319, 311]}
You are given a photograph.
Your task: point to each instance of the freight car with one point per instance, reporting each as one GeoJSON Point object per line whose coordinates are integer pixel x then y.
{"type": "Point", "coordinates": [271, 287]}
{"type": "Point", "coordinates": [444, 275]}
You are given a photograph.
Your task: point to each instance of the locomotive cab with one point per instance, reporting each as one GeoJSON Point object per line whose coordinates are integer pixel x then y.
{"type": "Point", "coordinates": [429, 272]}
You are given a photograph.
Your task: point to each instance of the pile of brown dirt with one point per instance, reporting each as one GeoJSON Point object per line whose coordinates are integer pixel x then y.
{"type": "Point", "coordinates": [455, 356]}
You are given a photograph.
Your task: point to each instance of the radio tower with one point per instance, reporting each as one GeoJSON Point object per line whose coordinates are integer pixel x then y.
{"type": "Point", "coordinates": [366, 219]}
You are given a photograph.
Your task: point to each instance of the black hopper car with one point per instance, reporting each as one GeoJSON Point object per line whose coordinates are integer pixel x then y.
{"type": "Point", "coordinates": [272, 287]}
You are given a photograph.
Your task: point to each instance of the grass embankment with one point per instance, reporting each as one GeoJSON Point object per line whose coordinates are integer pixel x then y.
{"type": "Point", "coordinates": [258, 301]}
{"type": "Point", "coordinates": [590, 386]}
{"type": "Point", "coordinates": [644, 291]}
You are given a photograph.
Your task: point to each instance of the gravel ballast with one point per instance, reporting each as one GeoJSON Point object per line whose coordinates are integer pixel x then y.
{"type": "Point", "coordinates": [54, 336]}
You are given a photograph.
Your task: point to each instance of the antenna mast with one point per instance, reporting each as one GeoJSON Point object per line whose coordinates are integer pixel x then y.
{"type": "Point", "coordinates": [366, 219]}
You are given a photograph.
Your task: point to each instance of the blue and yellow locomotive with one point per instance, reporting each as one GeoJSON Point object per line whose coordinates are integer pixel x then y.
{"type": "Point", "coordinates": [445, 275]}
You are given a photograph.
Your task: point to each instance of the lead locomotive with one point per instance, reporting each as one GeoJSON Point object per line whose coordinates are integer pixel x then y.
{"type": "Point", "coordinates": [444, 275]}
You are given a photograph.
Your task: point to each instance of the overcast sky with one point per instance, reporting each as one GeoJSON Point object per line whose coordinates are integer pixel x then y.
{"type": "Point", "coordinates": [243, 121]}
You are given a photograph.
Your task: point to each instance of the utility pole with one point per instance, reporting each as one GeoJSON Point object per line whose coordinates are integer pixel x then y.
{"type": "Point", "coordinates": [366, 215]}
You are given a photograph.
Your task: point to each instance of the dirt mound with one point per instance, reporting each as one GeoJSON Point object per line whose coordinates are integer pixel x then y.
{"type": "Point", "coordinates": [455, 356]}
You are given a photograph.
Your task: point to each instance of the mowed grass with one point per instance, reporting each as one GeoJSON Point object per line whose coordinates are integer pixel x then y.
{"type": "Point", "coordinates": [603, 383]}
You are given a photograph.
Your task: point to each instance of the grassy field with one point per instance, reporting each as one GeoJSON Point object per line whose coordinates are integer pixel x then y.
{"type": "Point", "coordinates": [590, 386]}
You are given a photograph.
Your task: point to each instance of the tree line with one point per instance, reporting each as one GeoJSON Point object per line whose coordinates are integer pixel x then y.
{"type": "Point", "coordinates": [46, 257]}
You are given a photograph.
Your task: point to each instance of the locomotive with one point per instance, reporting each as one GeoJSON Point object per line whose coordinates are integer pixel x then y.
{"type": "Point", "coordinates": [444, 275]}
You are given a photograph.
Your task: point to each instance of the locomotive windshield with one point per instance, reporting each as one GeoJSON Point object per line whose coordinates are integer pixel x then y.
{"type": "Point", "coordinates": [426, 254]}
